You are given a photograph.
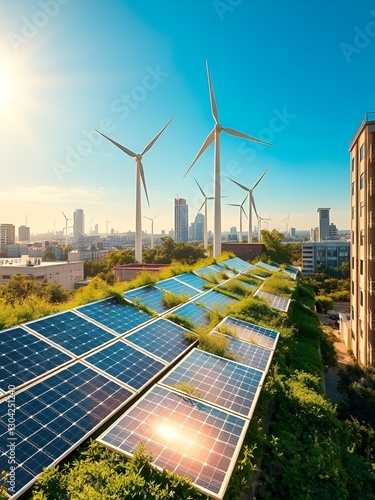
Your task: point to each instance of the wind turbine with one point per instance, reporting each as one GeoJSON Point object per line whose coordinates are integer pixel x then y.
{"type": "Point", "coordinates": [139, 176]}
{"type": "Point", "coordinates": [107, 222]}
{"type": "Point", "coordinates": [66, 228]}
{"type": "Point", "coordinates": [286, 225]}
{"type": "Point", "coordinates": [260, 219]}
{"type": "Point", "coordinates": [241, 210]}
{"type": "Point", "coordinates": [204, 204]}
{"type": "Point", "coordinates": [214, 135]}
{"type": "Point", "coordinates": [152, 228]}
{"type": "Point", "coordinates": [251, 201]}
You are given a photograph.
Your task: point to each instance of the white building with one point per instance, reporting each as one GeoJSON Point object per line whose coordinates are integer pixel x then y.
{"type": "Point", "coordinates": [329, 253]}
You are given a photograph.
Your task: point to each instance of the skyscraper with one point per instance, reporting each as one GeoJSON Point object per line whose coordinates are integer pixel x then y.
{"type": "Point", "coordinates": [78, 223]}
{"type": "Point", "coordinates": [362, 249]}
{"type": "Point", "coordinates": [197, 232]}
{"type": "Point", "coordinates": [23, 233]}
{"type": "Point", "coordinates": [323, 223]}
{"type": "Point", "coordinates": [181, 220]}
{"type": "Point", "coordinates": [7, 236]}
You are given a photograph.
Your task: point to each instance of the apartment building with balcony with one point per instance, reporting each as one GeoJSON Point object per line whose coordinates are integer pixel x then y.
{"type": "Point", "coordinates": [362, 268]}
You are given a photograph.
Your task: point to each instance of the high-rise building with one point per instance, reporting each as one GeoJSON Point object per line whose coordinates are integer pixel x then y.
{"type": "Point", "coordinates": [362, 268]}
{"type": "Point", "coordinates": [78, 223]}
{"type": "Point", "coordinates": [314, 234]}
{"type": "Point", "coordinates": [333, 233]}
{"type": "Point", "coordinates": [23, 233]}
{"type": "Point", "coordinates": [198, 228]}
{"type": "Point", "coordinates": [7, 236]}
{"type": "Point", "coordinates": [181, 219]}
{"type": "Point", "coordinates": [323, 223]}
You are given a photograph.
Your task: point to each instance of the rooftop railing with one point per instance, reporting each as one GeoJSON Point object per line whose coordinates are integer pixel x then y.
{"type": "Point", "coordinates": [369, 117]}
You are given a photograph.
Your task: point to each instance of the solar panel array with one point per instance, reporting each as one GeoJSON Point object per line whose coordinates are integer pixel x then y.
{"type": "Point", "coordinates": [275, 301]}
{"type": "Point", "coordinates": [245, 330]}
{"type": "Point", "coordinates": [74, 370]}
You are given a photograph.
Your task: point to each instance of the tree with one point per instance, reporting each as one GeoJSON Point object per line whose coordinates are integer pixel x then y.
{"type": "Point", "coordinates": [275, 250]}
{"type": "Point", "coordinates": [49, 256]}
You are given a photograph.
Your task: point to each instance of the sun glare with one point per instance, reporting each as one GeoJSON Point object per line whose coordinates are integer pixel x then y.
{"type": "Point", "coordinates": [5, 88]}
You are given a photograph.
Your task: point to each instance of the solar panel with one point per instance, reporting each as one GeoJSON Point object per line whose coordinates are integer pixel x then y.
{"type": "Point", "coordinates": [247, 353]}
{"type": "Point", "coordinates": [238, 287]}
{"type": "Point", "coordinates": [149, 296]}
{"type": "Point", "coordinates": [193, 280]}
{"type": "Point", "coordinates": [24, 356]}
{"type": "Point", "coordinates": [176, 287]}
{"type": "Point", "coordinates": [243, 263]}
{"type": "Point", "coordinates": [275, 301]}
{"type": "Point", "coordinates": [118, 317]}
{"type": "Point", "coordinates": [268, 266]}
{"type": "Point", "coordinates": [232, 265]}
{"type": "Point", "coordinates": [197, 314]}
{"type": "Point", "coordinates": [127, 364]}
{"type": "Point", "coordinates": [209, 272]}
{"type": "Point", "coordinates": [222, 382]}
{"type": "Point", "coordinates": [54, 416]}
{"type": "Point", "coordinates": [71, 331]}
{"type": "Point", "coordinates": [213, 300]}
{"type": "Point", "coordinates": [183, 435]}
{"type": "Point", "coordinates": [162, 338]}
{"type": "Point", "coordinates": [250, 332]}
{"type": "Point", "coordinates": [290, 271]}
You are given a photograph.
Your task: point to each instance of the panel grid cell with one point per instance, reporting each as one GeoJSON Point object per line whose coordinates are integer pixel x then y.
{"type": "Point", "coordinates": [232, 265]}
{"type": "Point", "coordinates": [161, 338]}
{"type": "Point", "coordinates": [127, 364]}
{"type": "Point", "coordinates": [247, 353]}
{"type": "Point", "coordinates": [256, 334]}
{"type": "Point", "coordinates": [222, 382]}
{"type": "Point", "coordinates": [24, 356]}
{"type": "Point", "coordinates": [209, 272]}
{"type": "Point", "coordinates": [183, 436]}
{"type": "Point", "coordinates": [243, 263]}
{"type": "Point", "coordinates": [71, 332]}
{"type": "Point", "coordinates": [197, 314]}
{"type": "Point", "coordinates": [176, 287]}
{"type": "Point", "coordinates": [213, 300]}
{"type": "Point", "coordinates": [149, 296]}
{"type": "Point", "coordinates": [118, 317]}
{"type": "Point", "coordinates": [54, 415]}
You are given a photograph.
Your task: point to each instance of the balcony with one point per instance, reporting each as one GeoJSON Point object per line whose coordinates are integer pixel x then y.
{"type": "Point", "coordinates": [372, 186]}
{"type": "Point", "coordinates": [371, 285]}
{"type": "Point", "coordinates": [371, 153]}
{"type": "Point", "coordinates": [371, 318]}
{"type": "Point", "coordinates": [372, 253]}
{"type": "Point", "coordinates": [371, 218]}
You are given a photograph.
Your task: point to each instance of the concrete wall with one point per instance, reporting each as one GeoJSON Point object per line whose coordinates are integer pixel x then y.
{"type": "Point", "coordinates": [246, 251]}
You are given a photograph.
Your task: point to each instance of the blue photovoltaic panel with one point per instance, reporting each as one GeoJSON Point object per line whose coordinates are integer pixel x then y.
{"type": "Point", "coordinates": [161, 338]}
{"type": "Point", "coordinates": [250, 332]}
{"type": "Point", "coordinates": [268, 266]}
{"type": "Point", "coordinates": [232, 265]}
{"type": "Point", "coordinates": [275, 301]}
{"type": "Point", "coordinates": [247, 353]}
{"type": "Point", "coordinates": [119, 317]}
{"type": "Point", "coordinates": [54, 415]}
{"type": "Point", "coordinates": [176, 287]}
{"type": "Point", "coordinates": [224, 269]}
{"type": "Point", "coordinates": [290, 271]}
{"type": "Point", "coordinates": [193, 280]}
{"type": "Point", "coordinates": [245, 287]}
{"type": "Point", "coordinates": [213, 300]}
{"type": "Point", "coordinates": [197, 314]}
{"type": "Point", "coordinates": [183, 435]}
{"type": "Point", "coordinates": [127, 364]}
{"type": "Point", "coordinates": [243, 263]}
{"type": "Point", "coordinates": [148, 296]}
{"type": "Point", "coordinates": [24, 356]}
{"type": "Point", "coordinates": [209, 271]}
{"type": "Point", "coordinates": [217, 380]}
{"type": "Point", "coordinates": [72, 332]}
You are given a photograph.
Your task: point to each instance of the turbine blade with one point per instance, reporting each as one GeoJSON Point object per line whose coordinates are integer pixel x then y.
{"type": "Point", "coordinates": [206, 143]}
{"type": "Point", "coordinates": [255, 210]}
{"type": "Point", "coordinates": [151, 143]}
{"type": "Point", "coordinates": [123, 148]}
{"type": "Point", "coordinates": [212, 96]}
{"type": "Point", "coordinates": [66, 218]}
{"type": "Point", "coordinates": [233, 205]}
{"type": "Point", "coordinates": [243, 210]}
{"type": "Point", "coordinates": [261, 177]}
{"type": "Point", "coordinates": [200, 188]}
{"type": "Point", "coordinates": [149, 218]}
{"type": "Point", "coordinates": [238, 184]}
{"type": "Point", "coordinates": [201, 206]}
{"type": "Point", "coordinates": [244, 200]}
{"type": "Point", "coordinates": [141, 171]}
{"type": "Point", "coordinates": [231, 131]}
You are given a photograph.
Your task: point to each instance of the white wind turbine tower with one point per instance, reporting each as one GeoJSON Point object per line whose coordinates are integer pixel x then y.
{"type": "Point", "coordinates": [286, 225]}
{"type": "Point", "coordinates": [214, 136]}
{"type": "Point", "coordinates": [204, 204]}
{"type": "Point", "coordinates": [251, 201]}
{"type": "Point", "coordinates": [241, 210]}
{"type": "Point", "coordinates": [152, 228]}
{"type": "Point", "coordinates": [268, 219]}
{"type": "Point", "coordinates": [66, 228]}
{"type": "Point", "coordinates": [260, 219]}
{"type": "Point", "coordinates": [106, 225]}
{"type": "Point", "coordinates": [139, 176]}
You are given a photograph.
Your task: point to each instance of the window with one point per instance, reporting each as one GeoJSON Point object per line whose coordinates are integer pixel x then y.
{"type": "Point", "coordinates": [353, 188]}
{"type": "Point", "coordinates": [352, 287]}
{"type": "Point", "coordinates": [361, 295]}
{"type": "Point", "coordinates": [361, 266]}
{"type": "Point", "coordinates": [361, 181]}
{"type": "Point", "coordinates": [352, 262]}
{"type": "Point", "coordinates": [353, 164]}
{"type": "Point", "coordinates": [361, 237]}
{"type": "Point", "coordinates": [361, 152]}
{"type": "Point", "coordinates": [353, 212]}
{"type": "Point", "coordinates": [361, 208]}
{"type": "Point", "coordinates": [353, 237]}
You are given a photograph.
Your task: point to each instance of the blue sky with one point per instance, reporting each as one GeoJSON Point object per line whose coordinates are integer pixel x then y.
{"type": "Point", "coordinates": [297, 74]}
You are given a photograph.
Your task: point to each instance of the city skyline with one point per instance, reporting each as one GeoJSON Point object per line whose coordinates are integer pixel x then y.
{"type": "Point", "coordinates": [289, 82]}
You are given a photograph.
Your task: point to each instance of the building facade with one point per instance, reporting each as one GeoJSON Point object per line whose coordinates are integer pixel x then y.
{"type": "Point", "coordinates": [24, 233]}
{"type": "Point", "coordinates": [362, 269]}
{"type": "Point", "coordinates": [323, 223]}
{"type": "Point", "coordinates": [181, 220]}
{"type": "Point", "coordinates": [7, 236]}
{"type": "Point", "coordinates": [78, 223]}
{"type": "Point", "coordinates": [329, 253]}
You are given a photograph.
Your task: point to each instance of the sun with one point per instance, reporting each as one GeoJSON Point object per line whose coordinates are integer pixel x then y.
{"type": "Point", "coordinates": [5, 88]}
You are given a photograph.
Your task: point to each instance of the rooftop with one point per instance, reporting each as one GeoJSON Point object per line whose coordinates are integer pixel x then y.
{"type": "Point", "coordinates": [369, 117]}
